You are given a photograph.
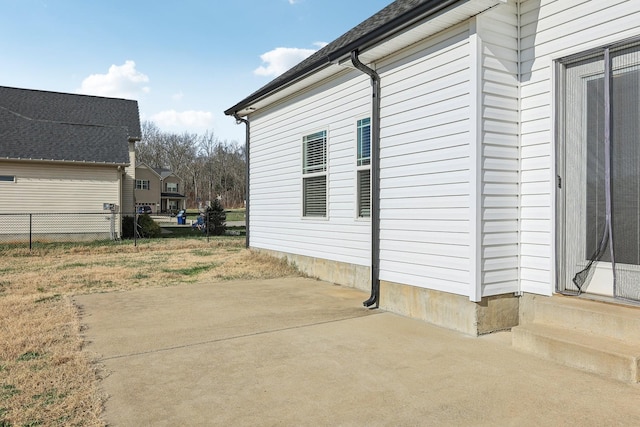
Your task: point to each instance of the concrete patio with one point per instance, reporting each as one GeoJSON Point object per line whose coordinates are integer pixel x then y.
{"type": "Point", "coordinates": [301, 352]}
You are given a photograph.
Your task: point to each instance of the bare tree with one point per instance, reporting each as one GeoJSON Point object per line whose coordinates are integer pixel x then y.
{"type": "Point", "coordinates": [210, 168]}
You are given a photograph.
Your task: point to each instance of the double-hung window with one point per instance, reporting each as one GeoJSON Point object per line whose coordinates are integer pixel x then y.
{"type": "Point", "coordinates": [363, 168]}
{"type": "Point", "coordinates": [142, 184]}
{"type": "Point", "coordinates": [314, 175]}
{"type": "Point", "coordinates": [172, 187]}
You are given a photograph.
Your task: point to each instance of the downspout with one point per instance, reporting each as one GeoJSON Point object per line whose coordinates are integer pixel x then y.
{"type": "Point", "coordinates": [246, 176]}
{"type": "Point", "coordinates": [375, 180]}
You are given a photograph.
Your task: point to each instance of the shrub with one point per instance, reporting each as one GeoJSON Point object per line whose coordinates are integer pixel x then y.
{"type": "Point", "coordinates": [215, 218]}
{"type": "Point", "coordinates": [147, 227]}
{"type": "Point", "coordinates": [127, 227]}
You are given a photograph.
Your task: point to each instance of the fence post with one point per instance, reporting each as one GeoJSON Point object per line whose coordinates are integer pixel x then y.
{"type": "Point", "coordinates": [206, 223]}
{"type": "Point", "coordinates": [135, 228]}
{"type": "Point", "coordinates": [30, 231]}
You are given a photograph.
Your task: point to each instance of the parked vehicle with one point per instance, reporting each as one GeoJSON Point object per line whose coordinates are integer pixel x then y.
{"type": "Point", "coordinates": [144, 209]}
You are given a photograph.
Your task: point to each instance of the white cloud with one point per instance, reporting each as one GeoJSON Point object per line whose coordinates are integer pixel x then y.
{"type": "Point", "coordinates": [177, 96]}
{"type": "Point", "coordinates": [190, 121]}
{"type": "Point", "coordinates": [320, 45]}
{"type": "Point", "coordinates": [121, 81]}
{"type": "Point", "coordinates": [281, 59]}
{"type": "Point", "coordinates": [294, 1]}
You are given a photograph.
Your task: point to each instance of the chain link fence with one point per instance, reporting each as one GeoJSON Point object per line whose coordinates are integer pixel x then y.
{"type": "Point", "coordinates": [31, 229]}
{"type": "Point", "coordinates": [43, 228]}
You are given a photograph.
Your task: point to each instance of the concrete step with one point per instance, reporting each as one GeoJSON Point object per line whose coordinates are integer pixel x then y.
{"type": "Point", "coordinates": [608, 319]}
{"type": "Point", "coordinates": [587, 351]}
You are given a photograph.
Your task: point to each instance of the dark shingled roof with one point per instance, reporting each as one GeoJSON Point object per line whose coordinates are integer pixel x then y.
{"type": "Point", "coordinates": [66, 127]}
{"type": "Point", "coordinates": [385, 22]}
{"type": "Point", "coordinates": [163, 172]}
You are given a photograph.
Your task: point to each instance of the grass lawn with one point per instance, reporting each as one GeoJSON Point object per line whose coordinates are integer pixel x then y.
{"type": "Point", "coordinates": [235, 214]}
{"type": "Point", "coordinates": [45, 376]}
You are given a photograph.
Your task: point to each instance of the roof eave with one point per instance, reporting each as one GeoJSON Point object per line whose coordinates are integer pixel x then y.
{"type": "Point", "coordinates": [392, 27]}
{"type": "Point", "coordinates": [269, 90]}
{"type": "Point", "coordinates": [63, 161]}
{"type": "Point", "coordinates": [369, 39]}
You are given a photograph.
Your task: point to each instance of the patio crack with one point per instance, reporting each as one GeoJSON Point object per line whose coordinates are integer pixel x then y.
{"type": "Point", "coordinates": [252, 334]}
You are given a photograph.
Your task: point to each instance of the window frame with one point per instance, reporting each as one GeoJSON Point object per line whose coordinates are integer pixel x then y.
{"type": "Point", "coordinates": [314, 171]}
{"type": "Point", "coordinates": [172, 190]}
{"type": "Point", "coordinates": [567, 258]}
{"type": "Point", "coordinates": [142, 181]}
{"type": "Point", "coordinates": [8, 178]}
{"type": "Point", "coordinates": [363, 164]}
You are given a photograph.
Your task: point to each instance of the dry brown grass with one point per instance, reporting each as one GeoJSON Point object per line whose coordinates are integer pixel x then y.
{"type": "Point", "coordinates": [45, 377]}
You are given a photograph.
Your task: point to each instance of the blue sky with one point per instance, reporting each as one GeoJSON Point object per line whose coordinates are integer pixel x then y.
{"type": "Point", "coordinates": [184, 61]}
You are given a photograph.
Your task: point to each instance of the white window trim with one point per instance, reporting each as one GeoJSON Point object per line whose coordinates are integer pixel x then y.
{"type": "Point", "coordinates": [142, 181]}
{"type": "Point", "coordinates": [303, 175]}
{"type": "Point", "coordinates": [361, 168]}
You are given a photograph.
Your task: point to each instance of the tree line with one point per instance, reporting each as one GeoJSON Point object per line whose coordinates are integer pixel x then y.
{"type": "Point", "coordinates": [209, 168]}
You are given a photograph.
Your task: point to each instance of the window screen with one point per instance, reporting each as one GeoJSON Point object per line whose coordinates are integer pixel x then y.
{"type": "Point", "coordinates": [314, 175]}
{"type": "Point", "coordinates": [364, 142]}
{"type": "Point", "coordinates": [364, 168]}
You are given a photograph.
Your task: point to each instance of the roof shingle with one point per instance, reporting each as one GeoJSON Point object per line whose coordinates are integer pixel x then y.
{"type": "Point", "coordinates": [66, 127]}
{"type": "Point", "coordinates": [386, 21]}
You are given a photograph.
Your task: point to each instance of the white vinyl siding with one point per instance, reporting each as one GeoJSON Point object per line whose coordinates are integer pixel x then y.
{"type": "Point", "coordinates": [499, 155]}
{"type": "Point", "coordinates": [276, 159]}
{"type": "Point", "coordinates": [467, 173]}
{"type": "Point", "coordinates": [425, 165]}
{"type": "Point", "coordinates": [551, 30]}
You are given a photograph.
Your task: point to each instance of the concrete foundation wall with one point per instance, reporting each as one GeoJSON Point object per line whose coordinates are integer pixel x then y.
{"type": "Point", "coordinates": [342, 273]}
{"type": "Point", "coordinates": [449, 310]}
{"type": "Point", "coordinates": [444, 309]}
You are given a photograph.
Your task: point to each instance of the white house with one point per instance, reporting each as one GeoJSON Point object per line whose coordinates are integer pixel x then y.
{"type": "Point", "coordinates": [452, 156]}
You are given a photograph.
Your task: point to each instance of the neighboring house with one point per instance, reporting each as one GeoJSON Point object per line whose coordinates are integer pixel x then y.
{"type": "Point", "coordinates": [66, 153]}
{"type": "Point", "coordinates": [158, 188]}
{"type": "Point", "coordinates": [450, 156]}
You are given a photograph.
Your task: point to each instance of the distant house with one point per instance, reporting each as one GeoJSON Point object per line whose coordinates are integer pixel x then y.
{"type": "Point", "coordinates": [159, 188]}
{"type": "Point", "coordinates": [465, 161]}
{"type": "Point", "coordinates": [66, 153]}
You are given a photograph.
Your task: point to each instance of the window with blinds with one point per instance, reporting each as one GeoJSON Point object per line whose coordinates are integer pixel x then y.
{"type": "Point", "coordinates": [364, 168]}
{"type": "Point", "coordinates": [364, 142]}
{"type": "Point", "coordinates": [314, 175]}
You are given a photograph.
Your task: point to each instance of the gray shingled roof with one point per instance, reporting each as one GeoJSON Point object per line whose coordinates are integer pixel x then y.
{"type": "Point", "coordinates": [383, 23]}
{"type": "Point", "coordinates": [66, 127]}
{"type": "Point", "coordinates": [163, 172]}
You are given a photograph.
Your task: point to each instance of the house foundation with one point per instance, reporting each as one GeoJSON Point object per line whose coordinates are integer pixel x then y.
{"type": "Point", "coordinates": [449, 310]}
{"type": "Point", "coordinates": [443, 309]}
{"type": "Point", "coordinates": [341, 273]}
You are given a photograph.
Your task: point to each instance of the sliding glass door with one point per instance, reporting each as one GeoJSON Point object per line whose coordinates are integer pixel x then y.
{"type": "Point", "coordinates": [599, 172]}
